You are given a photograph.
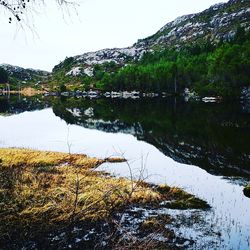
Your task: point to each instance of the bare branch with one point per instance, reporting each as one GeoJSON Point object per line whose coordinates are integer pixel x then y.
{"type": "Point", "coordinates": [21, 10]}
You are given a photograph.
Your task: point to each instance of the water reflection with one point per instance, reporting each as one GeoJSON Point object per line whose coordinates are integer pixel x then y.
{"type": "Point", "coordinates": [213, 137]}
{"type": "Point", "coordinates": [16, 104]}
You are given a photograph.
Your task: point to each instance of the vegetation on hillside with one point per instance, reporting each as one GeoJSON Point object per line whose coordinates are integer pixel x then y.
{"type": "Point", "coordinates": [209, 69]}
{"type": "Point", "coordinates": [203, 67]}
{"type": "Point", "coordinates": [20, 78]}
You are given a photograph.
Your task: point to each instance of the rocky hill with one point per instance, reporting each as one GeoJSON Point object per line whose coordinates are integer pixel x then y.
{"type": "Point", "coordinates": [215, 24]}
{"type": "Point", "coordinates": [24, 76]}
{"type": "Point", "coordinates": [219, 22]}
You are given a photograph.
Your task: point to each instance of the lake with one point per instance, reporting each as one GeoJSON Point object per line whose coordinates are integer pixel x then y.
{"type": "Point", "coordinates": [201, 147]}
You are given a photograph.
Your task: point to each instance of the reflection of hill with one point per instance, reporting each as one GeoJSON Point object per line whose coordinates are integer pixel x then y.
{"type": "Point", "coordinates": [214, 137]}
{"type": "Point", "coordinates": [19, 104]}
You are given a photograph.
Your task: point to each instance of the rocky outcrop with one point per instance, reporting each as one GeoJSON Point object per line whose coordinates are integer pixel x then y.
{"type": "Point", "coordinates": [84, 64]}
{"type": "Point", "coordinates": [219, 22]}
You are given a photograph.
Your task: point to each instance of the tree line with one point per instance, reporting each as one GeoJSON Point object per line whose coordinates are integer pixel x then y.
{"type": "Point", "coordinates": [220, 69]}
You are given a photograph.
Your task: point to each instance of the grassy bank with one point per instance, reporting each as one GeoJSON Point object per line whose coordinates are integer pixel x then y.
{"type": "Point", "coordinates": [43, 192]}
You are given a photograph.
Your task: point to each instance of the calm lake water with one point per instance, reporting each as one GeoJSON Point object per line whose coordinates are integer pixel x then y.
{"type": "Point", "coordinates": [203, 148]}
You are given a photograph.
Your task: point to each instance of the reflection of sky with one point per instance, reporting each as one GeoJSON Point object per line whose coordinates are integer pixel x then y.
{"type": "Point", "coordinates": [43, 130]}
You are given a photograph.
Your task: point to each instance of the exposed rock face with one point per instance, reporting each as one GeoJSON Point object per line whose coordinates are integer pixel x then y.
{"type": "Point", "coordinates": [83, 64]}
{"type": "Point", "coordinates": [25, 75]}
{"type": "Point", "coordinates": [219, 22]}
{"type": "Point", "coordinates": [118, 56]}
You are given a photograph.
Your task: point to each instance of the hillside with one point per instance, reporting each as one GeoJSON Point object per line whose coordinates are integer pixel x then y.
{"type": "Point", "coordinates": [189, 35]}
{"type": "Point", "coordinates": [20, 77]}
{"type": "Point", "coordinates": [217, 23]}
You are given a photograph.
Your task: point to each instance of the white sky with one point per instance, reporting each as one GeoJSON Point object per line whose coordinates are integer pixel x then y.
{"type": "Point", "coordinates": [99, 24]}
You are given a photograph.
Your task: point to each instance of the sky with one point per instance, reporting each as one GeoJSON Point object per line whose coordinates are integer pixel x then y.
{"type": "Point", "coordinates": [91, 26]}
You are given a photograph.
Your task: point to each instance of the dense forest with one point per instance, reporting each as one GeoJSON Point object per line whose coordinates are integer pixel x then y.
{"type": "Point", "coordinates": [208, 69]}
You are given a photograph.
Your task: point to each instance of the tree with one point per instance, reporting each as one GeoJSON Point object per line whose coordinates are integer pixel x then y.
{"type": "Point", "coordinates": [3, 76]}
{"type": "Point", "coordinates": [63, 88]}
{"type": "Point", "coordinates": [20, 9]}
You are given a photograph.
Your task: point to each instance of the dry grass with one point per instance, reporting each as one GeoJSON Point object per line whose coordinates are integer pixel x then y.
{"type": "Point", "coordinates": [45, 189]}
{"type": "Point", "coordinates": [48, 187]}
{"type": "Point", "coordinates": [31, 158]}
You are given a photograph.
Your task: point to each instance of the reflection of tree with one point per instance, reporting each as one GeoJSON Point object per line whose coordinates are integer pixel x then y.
{"type": "Point", "coordinates": [214, 137]}
{"type": "Point", "coordinates": [191, 133]}
{"type": "Point", "coordinates": [17, 104]}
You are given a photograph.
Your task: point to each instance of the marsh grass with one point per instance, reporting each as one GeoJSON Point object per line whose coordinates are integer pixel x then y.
{"type": "Point", "coordinates": [44, 191]}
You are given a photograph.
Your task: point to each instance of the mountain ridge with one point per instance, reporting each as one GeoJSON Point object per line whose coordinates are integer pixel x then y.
{"type": "Point", "coordinates": [218, 22]}
{"type": "Point", "coordinates": [206, 52]}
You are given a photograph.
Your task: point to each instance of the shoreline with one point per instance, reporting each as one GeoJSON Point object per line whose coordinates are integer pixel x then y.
{"type": "Point", "coordinates": [114, 95]}
{"type": "Point", "coordinates": [25, 92]}
{"type": "Point", "coordinates": [124, 94]}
